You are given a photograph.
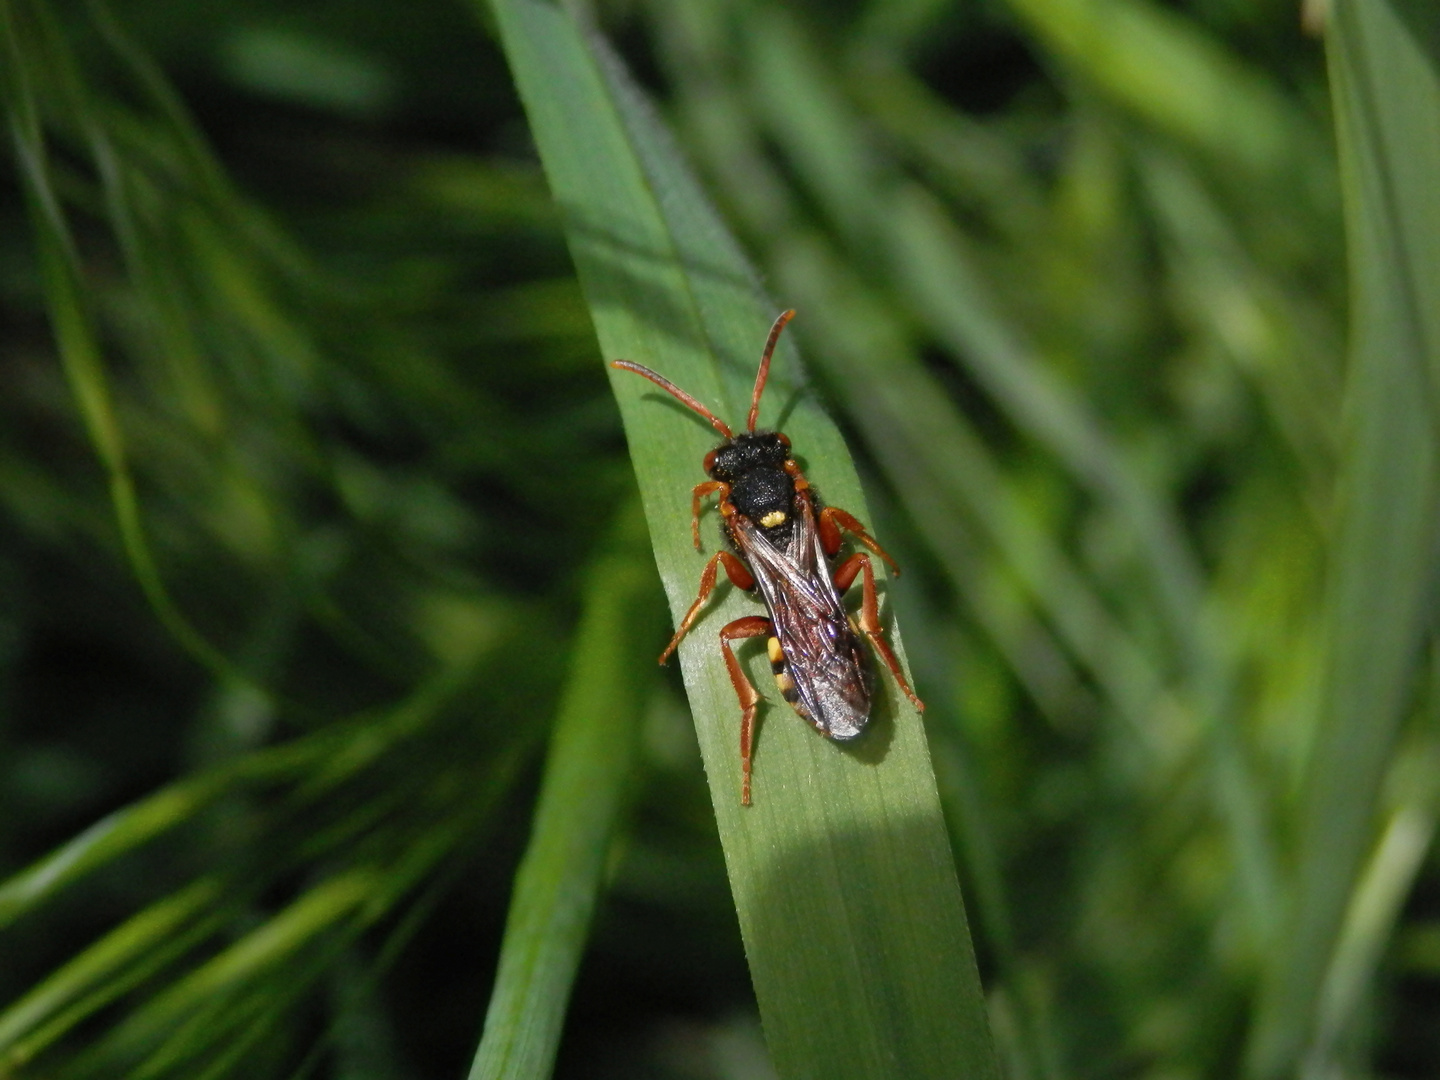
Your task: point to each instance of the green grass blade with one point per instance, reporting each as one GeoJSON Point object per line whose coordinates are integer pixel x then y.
{"type": "Point", "coordinates": [1375, 906]}
{"type": "Point", "coordinates": [245, 991]}
{"type": "Point", "coordinates": [128, 954]}
{"type": "Point", "coordinates": [841, 873]}
{"type": "Point", "coordinates": [318, 762]}
{"type": "Point", "coordinates": [1162, 67]}
{"type": "Point", "coordinates": [66, 291]}
{"type": "Point", "coordinates": [1385, 68]}
{"type": "Point", "coordinates": [591, 758]}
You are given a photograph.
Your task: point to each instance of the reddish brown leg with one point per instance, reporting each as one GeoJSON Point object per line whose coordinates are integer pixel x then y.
{"type": "Point", "coordinates": [734, 570]}
{"type": "Point", "coordinates": [698, 497]}
{"type": "Point", "coordinates": [833, 519]}
{"type": "Point", "coordinates": [859, 563]}
{"type": "Point", "coordinates": [748, 627]}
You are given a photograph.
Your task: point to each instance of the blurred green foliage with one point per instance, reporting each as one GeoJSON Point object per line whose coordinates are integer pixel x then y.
{"type": "Point", "coordinates": [308, 467]}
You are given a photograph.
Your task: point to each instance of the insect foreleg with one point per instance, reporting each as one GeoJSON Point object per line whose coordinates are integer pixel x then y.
{"type": "Point", "coordinates": [734, 570]}
{"type": "Point", "coordinates": [748, 627]}
{"type": "Point", "coordinates": [869, 622]}
{"type": "Point", "coordinates": [697, 497]}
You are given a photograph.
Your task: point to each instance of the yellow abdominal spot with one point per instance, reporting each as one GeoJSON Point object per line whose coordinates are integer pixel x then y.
{"type": "Point", "coordinates": [773, 518]}
{"type": "Point", "coordinates": [776, 653]}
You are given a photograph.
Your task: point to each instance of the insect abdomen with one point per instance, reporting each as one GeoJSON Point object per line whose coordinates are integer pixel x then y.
{"type": "Point", "coordinates": [780, 667]}
{"type": "Point", "coordinates": [840, 716]}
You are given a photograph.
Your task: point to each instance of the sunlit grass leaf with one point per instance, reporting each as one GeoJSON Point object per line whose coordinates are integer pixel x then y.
{"type": "Point", "coordinates": [841, 872]}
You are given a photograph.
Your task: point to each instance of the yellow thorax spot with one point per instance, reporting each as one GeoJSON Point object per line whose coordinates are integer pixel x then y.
{"type": "Point", "coordinates": [773, 518]}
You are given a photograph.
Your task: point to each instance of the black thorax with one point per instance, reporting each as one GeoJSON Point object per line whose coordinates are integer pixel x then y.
{"type": "Point", "coordinates": [753, 464]}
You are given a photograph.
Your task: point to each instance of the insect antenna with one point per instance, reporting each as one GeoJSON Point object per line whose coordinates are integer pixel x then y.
{"type": "Point", "coordinates": [764, 372]}
{"type": "Point", "coordinates": [684, 398]}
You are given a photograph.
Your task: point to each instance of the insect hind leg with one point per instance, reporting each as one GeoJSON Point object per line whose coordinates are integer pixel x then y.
{"type": "Point", "coordinates": [869, 621]}
{"type": "Point", "coordinates": [747, 627]}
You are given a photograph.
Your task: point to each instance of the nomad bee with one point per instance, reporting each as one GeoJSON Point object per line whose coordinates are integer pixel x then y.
{"type": "Point", "coordinates": [784, 539]}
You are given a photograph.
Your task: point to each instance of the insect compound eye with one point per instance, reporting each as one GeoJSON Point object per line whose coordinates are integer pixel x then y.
{"type": "Point", "coordinates": [709, 462]}
{"type": "Point", "coordinates": [784, 439]}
